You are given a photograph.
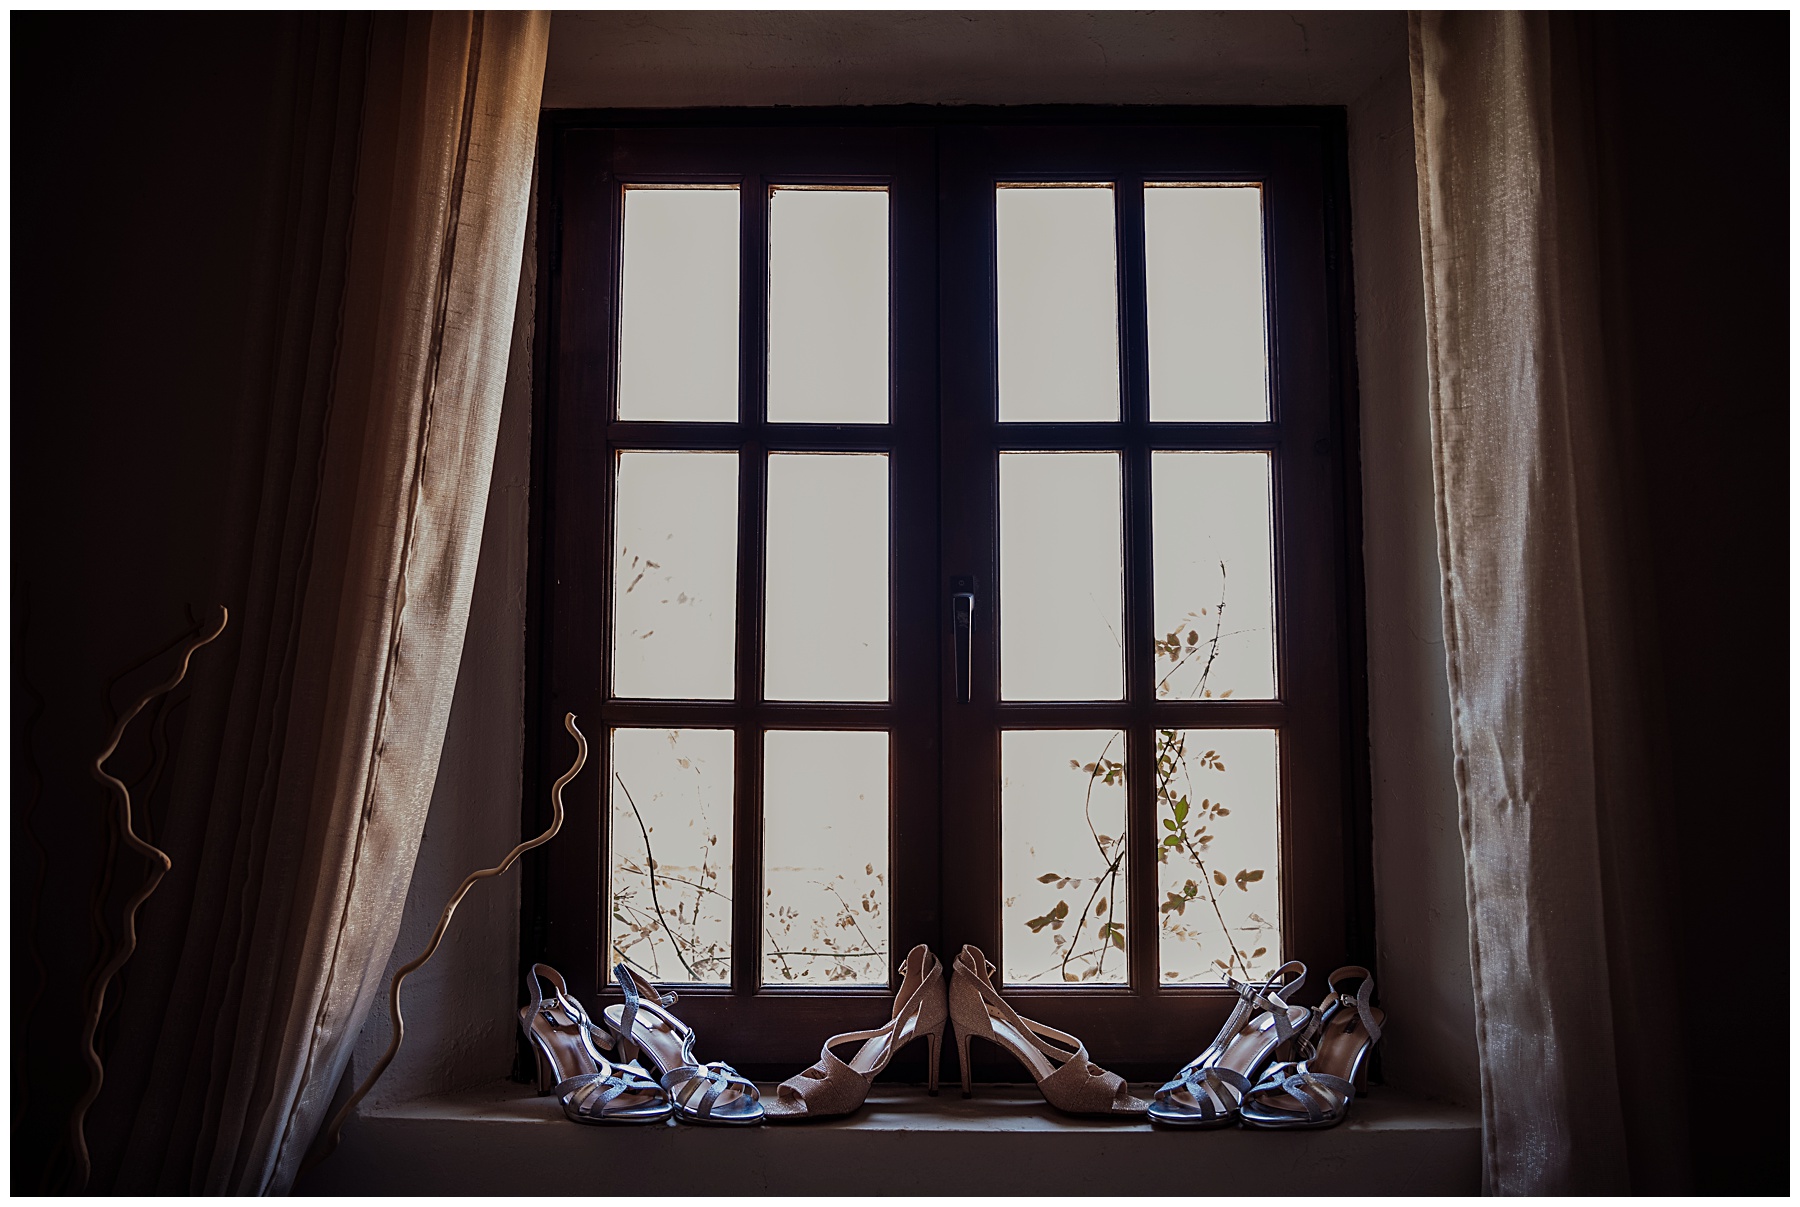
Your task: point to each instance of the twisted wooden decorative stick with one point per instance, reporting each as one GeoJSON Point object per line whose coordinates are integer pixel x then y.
{"type": "Point", "coordinates": [159, 865]}
{"type": "Point", "coordinates": [330, 1137]}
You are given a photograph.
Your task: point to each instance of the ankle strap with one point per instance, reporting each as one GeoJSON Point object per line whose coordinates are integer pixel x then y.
{"type": "Point", "coordinates": [1364, 996]}
{"type": "Point", "coordinates": [629, 981]}
{"type": "Point", "coordinates": [1037, 1033]}
{"type": "Point", "coordinates": [538, 1000]}
{"type": "Point", "coordinates": [918, 970]}
{"type": "Point", "coordinates": [1272, 996]}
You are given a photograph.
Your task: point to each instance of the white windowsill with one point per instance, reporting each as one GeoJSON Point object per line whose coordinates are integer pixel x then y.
{"type": "Point", "coordinates": [504, 1139]}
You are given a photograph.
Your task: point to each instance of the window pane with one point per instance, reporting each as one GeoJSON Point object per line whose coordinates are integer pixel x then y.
{"type": "Point", "coordinates": [1062, 861]}
{"type": "Point", "coordinates": [1058, 302]}
{"type": "Point", "coordinates": [1203, 262]}
{"type": "Point", "coordinates": [1215, 579]}
{"type": "Point", "coordinates": [825, 850]}
{"type": "Point", "coordinates": [671, 806]}
{"type": "Point", "coordinates": [1221, 900]}
{"type": "Point", "coordinates": [678, 324]}
{"type": "Point", "coordinates": [675, 576]}
{"type": "Point", "coordinates": [826, 630]}
{"type": "Point", "coordinates": [1061, 577]}
{"type": "Point", "coordinates": [828, 305]}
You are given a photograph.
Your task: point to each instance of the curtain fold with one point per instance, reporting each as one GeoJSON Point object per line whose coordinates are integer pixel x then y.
{"type": "Point", "coordinates": [402, 216]}
{"type": "Point", "coordinates": [1561, 821]}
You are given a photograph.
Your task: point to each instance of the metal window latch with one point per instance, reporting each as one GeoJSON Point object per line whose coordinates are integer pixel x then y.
{"type": "Point", "coordinates": [962, 614]}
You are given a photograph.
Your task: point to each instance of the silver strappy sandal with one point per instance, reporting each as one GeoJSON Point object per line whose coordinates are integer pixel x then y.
{"type": "Point", "coordinates": [713, 1092]}
{"type": "Point", "coordinates": [1317, 1092]}
{"type": "Point", "coordinates": [1209, 1089]}
{"type": "Point", "coordinates": [568, 1045]}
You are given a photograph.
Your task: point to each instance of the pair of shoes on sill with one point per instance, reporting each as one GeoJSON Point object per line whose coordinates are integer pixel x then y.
{"type": "Point", "coordinates": [573, 1063]}
{"type": "Point", "coordinates": [973, 1009]}
{"type": "Point", "coordinates": [1242, 1076]}
{"type": "Point", "coordinates": [1239, 1078]}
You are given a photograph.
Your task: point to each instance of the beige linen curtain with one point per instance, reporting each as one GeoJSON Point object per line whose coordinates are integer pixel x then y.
{"type": "Point", "coordinates": [1581, 1089]}
{"type": "Point", "coordinates": [400, 219]}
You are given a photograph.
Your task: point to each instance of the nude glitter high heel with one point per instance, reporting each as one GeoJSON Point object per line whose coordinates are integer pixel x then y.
{"type": "Point", "coordinates": [1057, 1061]}
{"type": "Point", "coordinates": [834, 1086]}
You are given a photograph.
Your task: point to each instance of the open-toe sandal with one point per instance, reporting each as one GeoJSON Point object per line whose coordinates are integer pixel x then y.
{"type": "Point", "coordinates": [1057, 1061]}
{"type": "Point", "coordinates": [570, 1065]}
{"type": "Point", "coordinates": [713, 1092]}
{"type": "Point", "coordinates": [1209, 1089]}
{"type": "Point", "coordinates": [836, 1086]}
{"type": "Point", "coordinates": [1317, 1091]}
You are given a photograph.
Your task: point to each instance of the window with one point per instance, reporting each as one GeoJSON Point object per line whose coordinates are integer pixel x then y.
{"type": "Point", "coordinates": [941, 533]}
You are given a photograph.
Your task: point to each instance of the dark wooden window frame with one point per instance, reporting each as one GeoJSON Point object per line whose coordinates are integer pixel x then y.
{"type": "Point", "coordinates": [945, 862]}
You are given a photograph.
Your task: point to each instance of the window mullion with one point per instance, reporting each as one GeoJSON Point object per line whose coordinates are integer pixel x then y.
{"type": "Point", "coordinates": [746, 928]}
{"type": "Point", "coordinates": [1140, 661]}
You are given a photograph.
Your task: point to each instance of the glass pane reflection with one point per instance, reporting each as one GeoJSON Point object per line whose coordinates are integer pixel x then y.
{"type": "Point", "coordinates": [825, 854]}
{"type": "Point", "coordinates": [1203, 265]}
{"type": "Point", "coordinates": [826, 628]}
{"type": "Point", "coordinates": [1062, 856]}
{"type": "Point", "coordinates": [1058, 299]}
{"type": "Point", "coordinates": [828, 305]}
{"type": "Point", "coordinates": [1218, 794]}
{"type": "Point", "coordinates": [1061, 577]}
{"type": "Point", "coordinates": [678, 305]}
{"type": "Point", "coordinates": [1215, 576]}
{"type": "Point", "coordinates": [671, 808]}
{"type": "Point", "coordinates": [675, 576]}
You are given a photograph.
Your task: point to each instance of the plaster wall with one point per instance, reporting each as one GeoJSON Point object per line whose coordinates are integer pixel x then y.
{"type": "Point", "coordinates": [685, 59]}
{"type": "Point", "coordinates": [1421, 907]}
{"type": "Point", "coordinates": [461, 1024]}
{"type": "Point", "coordinates": [462, 1031]}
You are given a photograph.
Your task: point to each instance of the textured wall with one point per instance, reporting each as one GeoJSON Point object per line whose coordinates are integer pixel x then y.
{"type": "Point", "coordinates": [460, 1009]}
{"type": "Point", "coordinates": [1421, 914]}
{"type": "Point", "coordinates": [679, 59]}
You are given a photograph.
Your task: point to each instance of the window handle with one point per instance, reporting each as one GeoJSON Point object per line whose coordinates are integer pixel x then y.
{"type": "Point", "coordinates": [962, 614]}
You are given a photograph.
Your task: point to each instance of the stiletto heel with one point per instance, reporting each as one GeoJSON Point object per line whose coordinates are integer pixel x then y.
{"type": "Point", "coordinates": [568, 1047]}
{"type": "Point", "coordinates": [934, 1047]}
{"type": "Point", "coordinates": [1318, 1091]}
{"type": "Point", "coordinates": [834, 1086]}
{"type": "Point", "coordinates": [1209, 1090]}
{"type": "Point", "coordinates": [962, 1060]}
{"type": "Point", "coordinates": [1057, 1061]}
{"type": "Point", "coordinates": [546, 1077]}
